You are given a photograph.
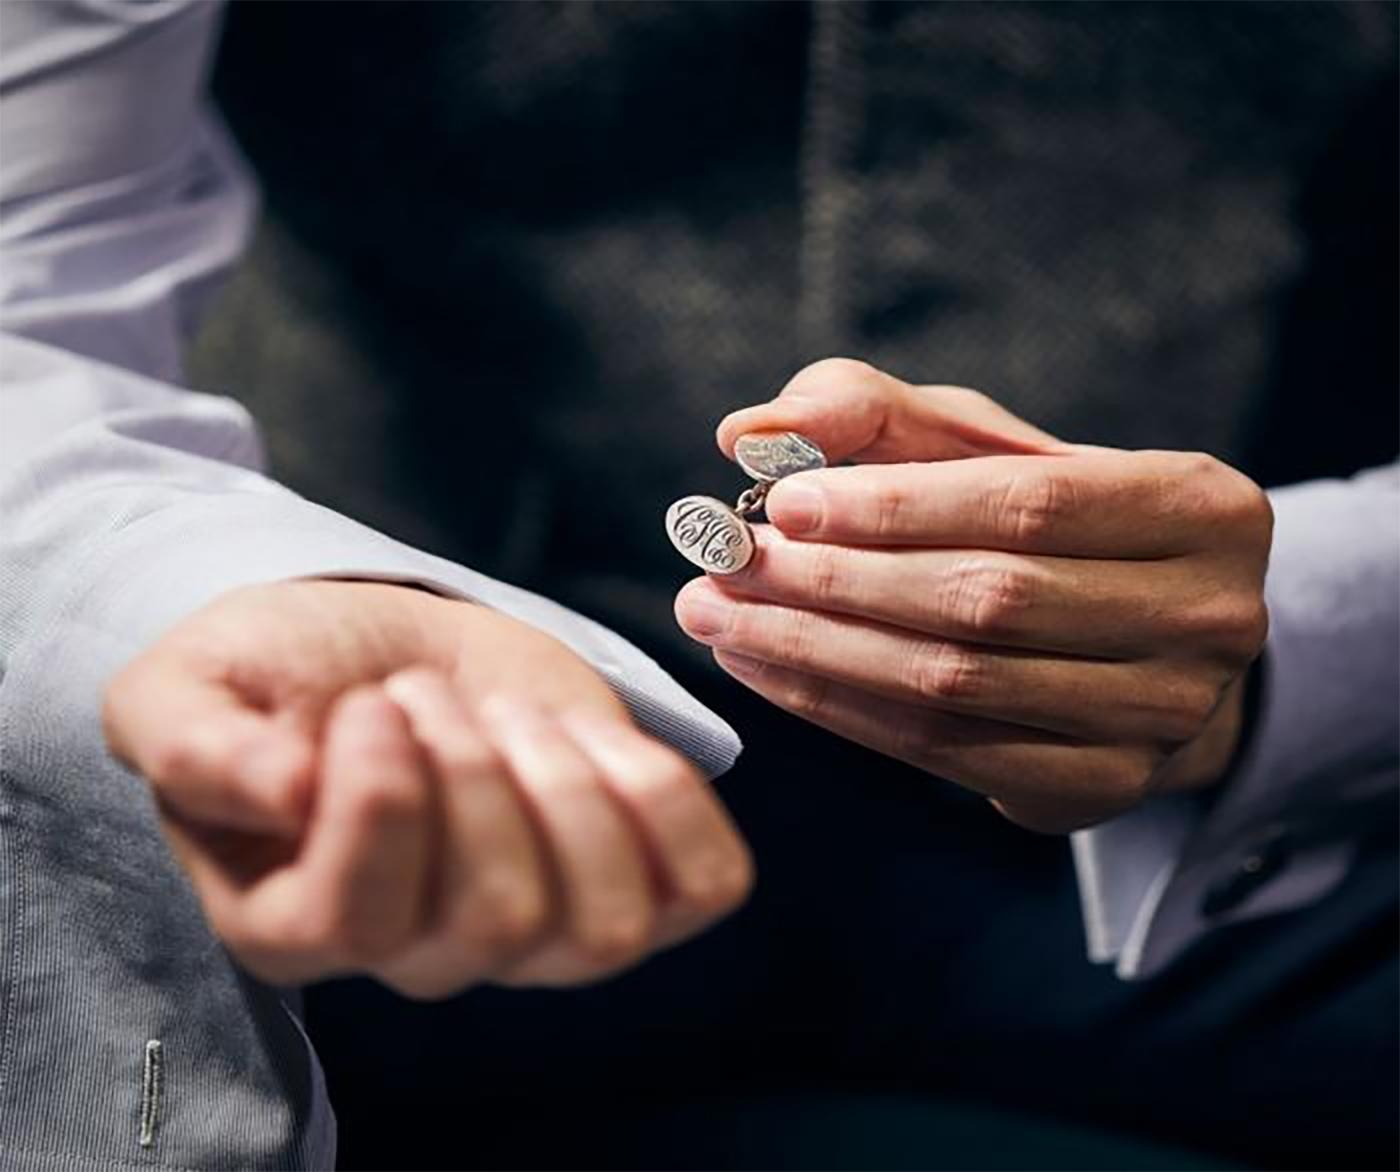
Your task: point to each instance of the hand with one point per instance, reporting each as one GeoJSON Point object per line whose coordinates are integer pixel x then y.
{"type": "Point", "coordinates": [362, 777]}
{"type": "Point", "coordinates": [1061, 628]}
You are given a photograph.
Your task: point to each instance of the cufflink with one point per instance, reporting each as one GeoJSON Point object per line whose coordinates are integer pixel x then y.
{"type": "Point", "coordinates": [1265, 861]}
{"type": "Point", "coordinates": [712, 535]}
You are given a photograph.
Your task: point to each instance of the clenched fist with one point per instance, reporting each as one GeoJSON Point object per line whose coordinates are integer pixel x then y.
{"type": "Point", "coordinates": [1062, 628]}
{"type": "Point", "coordinates": [362, 777]}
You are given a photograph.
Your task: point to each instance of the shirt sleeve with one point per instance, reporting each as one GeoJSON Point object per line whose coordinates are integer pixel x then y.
{"type": "Point", "coordinates": [127, 501]}
{"type": "Point", "coordinates": [1323, 751]}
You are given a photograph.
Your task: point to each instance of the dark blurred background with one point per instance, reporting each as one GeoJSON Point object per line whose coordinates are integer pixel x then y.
{"type": "Point", "coordinates": [519, 258]}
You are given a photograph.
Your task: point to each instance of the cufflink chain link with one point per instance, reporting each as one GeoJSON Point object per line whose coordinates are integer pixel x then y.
{"type": "Point", "coordinates": [710, 534]}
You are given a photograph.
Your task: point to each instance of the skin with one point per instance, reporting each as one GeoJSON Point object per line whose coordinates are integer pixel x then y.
{"type": "Point", "coordinates": [1061, 628]}
{"type": "Point", "coordinates": [369, 778]}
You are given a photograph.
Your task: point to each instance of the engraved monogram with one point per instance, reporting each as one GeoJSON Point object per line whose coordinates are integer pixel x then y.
{"type": "Point", "coordinates": [710, 534]}
{"type": "Point", "coordinates": [768, 456]}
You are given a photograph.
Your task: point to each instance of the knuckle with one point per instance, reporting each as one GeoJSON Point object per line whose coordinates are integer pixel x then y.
{"type": "Point", "coordinates": [734, 882]}
{"type": "Point", "coordinates": [1258, 515]}
{"type": "Point", "coordinates": [988, 598]}
{"type": "Point", "coordinates": [720, 884]}
{"type": "Point", "coordinates": [1197, 703]}
{"type": "Point", "coordinates": [1033, 505]}
{"type": "Point", "coordinates": [1237, 626]}
{"type": "Point", "coordinates": [833, 373]}
{"type": "Point", "coordinates": [808, 697]}
{"type": "Point", "coordinates": [1247, 503]}
{"type": "Point", "coordinates": [796, 637]}
{"type": "Point", "coordinates": [1253, 630]}
{"type": "Point", "coordinates": [1243, 627]}
{"type": "Point", "coordinates": [825, 579]}
{"type": "Point", "coordinates": [1188, 713]}
{"type": "Point", "coordinates": [890, 504]}
{"type": "Point", "coordinates": [1237, 498]}
{"type": "Point", "coordinates": [608, 941]}
{"type": "Point", "coordinates": [1200, 466]}
{"type": "Point", "coordinates": [939, 671]}
{"type": "Point", "coordinates": [668, 784]}
{"type": "Point", "coordinates": [507, 913]}
{"type": "Point", "coordinates": [1126, 778]}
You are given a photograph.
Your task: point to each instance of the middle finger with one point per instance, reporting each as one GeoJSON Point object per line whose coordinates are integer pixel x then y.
{"type": "Point", "coordinates": [600, 866]}
{"type": "Point", "coordinates": [1038, 602]}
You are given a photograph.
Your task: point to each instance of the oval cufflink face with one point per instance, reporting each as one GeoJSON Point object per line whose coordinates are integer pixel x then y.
{"type": "Point", "coordinates": [768, 456]}
{"type": "Point", "coordinates": [709, 534]}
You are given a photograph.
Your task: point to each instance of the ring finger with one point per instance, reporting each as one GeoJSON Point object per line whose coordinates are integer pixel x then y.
{"type": "Point", "coordinates": [599, 865]}
{"type": "Point", "coordinates": [1077, 697]}
{"type": "Point", "coordinates": [494, 893]}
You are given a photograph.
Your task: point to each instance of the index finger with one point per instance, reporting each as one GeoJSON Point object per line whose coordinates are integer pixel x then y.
{"type": "Point", "coordinates": [206, 751]}
{"type": "Point", "coordinates": [1098, 503]}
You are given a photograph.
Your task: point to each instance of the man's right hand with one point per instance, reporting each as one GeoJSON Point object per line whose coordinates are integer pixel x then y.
{"type": "Point", "coordinates": [365, 777]}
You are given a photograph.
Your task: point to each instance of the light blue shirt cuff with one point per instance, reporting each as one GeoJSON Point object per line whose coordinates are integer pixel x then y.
{"type": "Point", "coordinates": [1325, 744]}
{"type": "Point", "coordinates": [145, 576]}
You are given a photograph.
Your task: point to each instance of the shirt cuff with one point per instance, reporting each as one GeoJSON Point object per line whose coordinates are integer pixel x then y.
{"type": "Point", "coordinates": [1280, 833]}
{"type": "Point", "coordinates": [141, 578]}
{"type": "Point", "coordinates": [1123, 867]}
{"type": "Point", "coordinates": [1330, 686]}
{"type": "Point", "coordinates": [1157, 879]}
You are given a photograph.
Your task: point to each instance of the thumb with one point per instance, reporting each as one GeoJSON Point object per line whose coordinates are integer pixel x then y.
{"type": "Point", "coordinates": [855, 412]}
{"type": "Point", "coordinates": [206, 751]}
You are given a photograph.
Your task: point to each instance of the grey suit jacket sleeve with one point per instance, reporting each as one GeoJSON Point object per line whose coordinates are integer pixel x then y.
{"type": "Point", "coordinates": [1325, 744]}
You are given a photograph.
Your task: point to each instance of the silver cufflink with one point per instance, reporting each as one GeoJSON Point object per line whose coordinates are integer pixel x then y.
{"type": "Point", "coordinates": [715, 537]}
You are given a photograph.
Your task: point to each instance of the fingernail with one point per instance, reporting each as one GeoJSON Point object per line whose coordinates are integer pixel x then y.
{"type": "Point", "coordinates": [795, 507]}
{"type": "Point", "coordinates": [739, 665]}
{"type": "Point", "coordinates": [703, 616]}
